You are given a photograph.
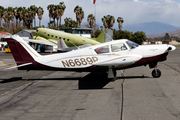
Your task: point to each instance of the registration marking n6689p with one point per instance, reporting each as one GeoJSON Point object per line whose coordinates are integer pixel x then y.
{"type": "Point", "coordinates": [79, 61]}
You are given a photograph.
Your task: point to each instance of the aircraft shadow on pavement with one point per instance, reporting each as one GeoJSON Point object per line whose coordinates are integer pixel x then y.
{"type": "Point", "coordinates": [13, 79]}
{"type": "Point", "coordinates": [93, 80]}
{"type": "Point", "coordinates": [90, 81]}
{"type": "Point", "coordinates": [133, 77]}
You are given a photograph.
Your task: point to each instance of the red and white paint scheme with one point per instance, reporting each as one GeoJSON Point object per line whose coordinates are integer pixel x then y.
{"type": "Point", "coordinates": [108, 56]}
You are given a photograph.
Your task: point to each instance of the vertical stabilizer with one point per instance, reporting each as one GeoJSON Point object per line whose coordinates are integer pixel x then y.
{"type": "Point", "coordinates": [21, 51]}
{"type": "Point", "coordinates": [105, 36]}
{"type": "Point", "coordinates": [61, 44]}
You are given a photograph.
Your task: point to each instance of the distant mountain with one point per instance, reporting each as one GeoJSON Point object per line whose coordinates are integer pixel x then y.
{"type": "Point", "coordinates": [173, 33]}
{"type": "Point", "coordinates": [151, 28]}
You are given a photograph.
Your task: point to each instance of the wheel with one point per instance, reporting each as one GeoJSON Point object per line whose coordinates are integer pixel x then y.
{"type": "Point", "coordinates": [156, 73]}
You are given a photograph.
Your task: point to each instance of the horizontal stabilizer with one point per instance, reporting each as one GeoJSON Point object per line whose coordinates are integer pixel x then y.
{"type": "Point", "coordinates": [19, 66]}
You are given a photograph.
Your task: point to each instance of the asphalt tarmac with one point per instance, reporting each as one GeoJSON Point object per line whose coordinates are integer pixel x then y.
{"type": "Point", "coordinates": [58, 95]}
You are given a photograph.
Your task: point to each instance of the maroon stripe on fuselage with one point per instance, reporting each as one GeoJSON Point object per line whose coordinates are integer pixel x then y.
{"type": "Point", "coordinates": [143, 61]}
{"type": "Point", "coordinates": [153, 59]}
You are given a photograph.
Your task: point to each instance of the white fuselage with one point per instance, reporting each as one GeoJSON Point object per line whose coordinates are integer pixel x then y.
{"type": "Point", "coordinates": [94, 56]}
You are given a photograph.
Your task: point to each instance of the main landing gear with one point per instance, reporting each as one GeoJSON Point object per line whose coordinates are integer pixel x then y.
{"type": "Point", "coordinates": [156, 73]}
{"type": "Point", "coordinates": [112, 74]}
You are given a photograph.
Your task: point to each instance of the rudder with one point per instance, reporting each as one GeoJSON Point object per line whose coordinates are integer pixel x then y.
{"type": "Point", "coordinates": [21, 55]}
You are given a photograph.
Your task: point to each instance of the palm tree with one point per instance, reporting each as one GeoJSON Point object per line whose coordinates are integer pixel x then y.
{"type": "Point", "coordinates": [40, 14]}
{"type": "Point", "coordinates": [16, 15]}
{"type": "Point", "coordinates": [67, 21]}
{"type": "Point", "coordinates": [34, 10]}
{"type": "Point", "coordinates": [57, 13]}
{"type": "Point", "coordinates": [20, 14]}
{"type": "Point", "coordinates": [62, 8]}
{"type": "Point", "coordinates": [49, 8]}
{"type": "Point", "coordinates": [79, 14]}
{"type": "Point", "coordinates": [108, 21]}
{"type": "Point", "coordinates": [10, 12]}
{"type": "Point", "coordinates": [91, 19]}
{"type": "Point", "coordinates": [5, 17]}
{"type": "Point", "coordinates": [120, 22]}
{"type": "Point", "coordinates": [52, 13]}
{"type": "Point", "coordinates": [25, 17]}
{"type": "Point", "coordinates": [1, 13]}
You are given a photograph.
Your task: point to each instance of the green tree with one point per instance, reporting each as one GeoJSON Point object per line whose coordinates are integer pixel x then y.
{"type": "Point", "coordinates": [167, 37]}
{"type": "Point", "coordinates": [69, 23]}
{"type": "Point", "coordinates": [79, 14]}
{"type": "Point", "coordinates": [139, 37]}
{"type": "Point", "coordinates": [120, 22]}
{"type": "Point", "coordinates": [97, 33]}
{"type": "Point", "coordinates": [123, 35]}
{"type": "Point", "coordinates": [108, 21]}
{"type": "Point", "coordinates": [91, 20]}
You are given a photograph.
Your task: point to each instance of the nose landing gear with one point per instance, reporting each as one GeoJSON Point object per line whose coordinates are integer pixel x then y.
{"type": "Point", "coordinates": [156, 73]}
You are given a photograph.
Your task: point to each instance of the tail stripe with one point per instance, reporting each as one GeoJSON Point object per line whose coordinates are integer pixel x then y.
{"type": "Point", "coordinates": [21, 51]}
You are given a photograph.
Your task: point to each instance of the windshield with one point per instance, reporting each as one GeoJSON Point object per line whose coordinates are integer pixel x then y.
{"type": "Point", "coordinates": [131, 44]}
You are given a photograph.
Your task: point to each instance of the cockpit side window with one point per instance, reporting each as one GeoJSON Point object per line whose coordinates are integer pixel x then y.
{"type": "Point", "coordinates": [102, 50]}
{"type": "Point", "coordinates": [118, 47]}
{"type": "Point", "coordinates": [132, 45]}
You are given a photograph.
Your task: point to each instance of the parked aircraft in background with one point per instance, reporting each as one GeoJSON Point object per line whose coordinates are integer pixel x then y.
{"type": "Point", "coordinates": [50, 37]}
{"type": "Point", "coordinates": [108, 56]}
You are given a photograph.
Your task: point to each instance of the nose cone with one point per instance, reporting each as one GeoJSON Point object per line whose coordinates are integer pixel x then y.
{"type": "Point", "coordinates": [171, 47]}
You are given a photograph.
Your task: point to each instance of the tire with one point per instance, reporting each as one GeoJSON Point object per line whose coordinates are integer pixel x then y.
{"type": "Point", "coordinates": [156, 73]}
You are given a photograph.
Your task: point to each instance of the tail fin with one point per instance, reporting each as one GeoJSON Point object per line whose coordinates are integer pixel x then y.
{"type": "Point", "coordinates": [61, 44]}
{"type": "Point", "coordinates": [21, 51]}
{"type": "Point", "coordinates": [105, 36]}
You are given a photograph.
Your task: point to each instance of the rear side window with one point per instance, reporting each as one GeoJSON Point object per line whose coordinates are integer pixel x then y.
{"type": "Point", "coordinates": [102, 50]}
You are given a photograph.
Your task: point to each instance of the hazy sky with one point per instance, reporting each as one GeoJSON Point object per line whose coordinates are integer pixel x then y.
{"type": "Point", "coordinates": [132, 11]}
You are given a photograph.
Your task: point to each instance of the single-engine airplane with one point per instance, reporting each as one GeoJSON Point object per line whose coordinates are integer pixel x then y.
{"type": "Point", "coordinates": [108, 56]}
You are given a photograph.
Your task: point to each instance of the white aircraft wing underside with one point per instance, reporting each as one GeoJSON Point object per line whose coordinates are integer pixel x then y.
{"type": "Point", "coordinates": [45, 42]}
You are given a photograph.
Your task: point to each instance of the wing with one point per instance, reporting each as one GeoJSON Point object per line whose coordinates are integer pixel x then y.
{"type": "Point", "coordinates": [44, 42]}
{"type": "Point", "coordinates": [53, 40]}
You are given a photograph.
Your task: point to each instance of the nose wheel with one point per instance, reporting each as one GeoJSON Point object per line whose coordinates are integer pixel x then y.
{"type": "Point", "coordinates": [156, 73]}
